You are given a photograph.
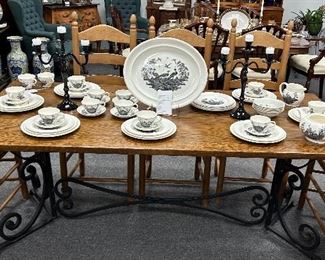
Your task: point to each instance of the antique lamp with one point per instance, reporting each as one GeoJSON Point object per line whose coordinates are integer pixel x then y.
{"type": "Point", "coordinates": [63, 60]}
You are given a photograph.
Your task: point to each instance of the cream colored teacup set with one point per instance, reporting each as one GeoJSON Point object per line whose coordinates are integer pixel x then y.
{"type": "Point", "coordinates": [260, 126]}
{"type": "Point", "coordinates": [125, 104]}
{"type": "Point", "coordinates": [147, 121]}
{"type": "Point", "coordinates": [28, 81]}
{"type": "Point", "coordinates": [16, 96]}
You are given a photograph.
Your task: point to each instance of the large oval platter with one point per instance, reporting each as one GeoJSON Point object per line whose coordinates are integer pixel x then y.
{"type": "Point", "coordinates": [165, 64]}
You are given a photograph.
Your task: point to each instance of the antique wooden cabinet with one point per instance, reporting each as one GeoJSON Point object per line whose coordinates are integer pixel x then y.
{"type": "Point", "coordinates": [181, 10]}
{"type": "Point", "coordinates": [87, 14]}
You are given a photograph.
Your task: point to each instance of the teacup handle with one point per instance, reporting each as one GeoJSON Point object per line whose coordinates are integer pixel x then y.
{"type": "Point", "coordinates": [158, 119]}
{"type": "Point", "coordinates": [134, 99]}
{"type": "Point", "coordinates": [60, 117]}
{"type": "Point", "coordinates": [281, 87]}
{"type": "Point", "coordinates": [271, 125]}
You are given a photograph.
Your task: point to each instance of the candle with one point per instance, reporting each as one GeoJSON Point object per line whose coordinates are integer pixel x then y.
{"type": "Point", "coordinates": [262, 8]}
{"type": "Point", "coordinates": [61, 29]}
{"type": "Point", "coordinates": [225, 50]}
{"type": "Point", "coordinates": [218, 7]}
{"type": "Point", "coordinates": [249, 37]}
{"type": "Point", "coordinates": [85, 42]}
{"type": "Point", "coordinates": [36, 42]}
{"type": "Point", "coordinates": [269, 50]}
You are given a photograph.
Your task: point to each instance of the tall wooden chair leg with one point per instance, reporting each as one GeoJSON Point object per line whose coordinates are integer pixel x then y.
{"type": "Point", "coordinates": [206, 179]}
{"type": "Point", "coordinates": [198, 163]}
{"type": "Point", "coordinates": [142, 175]}
{"type": "Point", "coordinates": [216, 167]}
{"type": "Point", "coordinates": [265, 168]}
{"type": "Point", "coordinates": [82, 164]}
{"type": "Point", "coordinates": [64, 171]}
{"type": "Point", "coordinates": [130, 181]}
{"type": "Point", "coordinates": [23, 185]}
{"type": "Point", "coordinates": [148, 165]}
{"type": "Point", "coordinates": [221, 175]}
{"type": "Point", "coordinates": [305, 185]}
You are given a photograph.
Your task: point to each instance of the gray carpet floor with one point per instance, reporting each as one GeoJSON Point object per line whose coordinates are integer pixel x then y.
{"type": "Point", "coordinates": [158, 232]}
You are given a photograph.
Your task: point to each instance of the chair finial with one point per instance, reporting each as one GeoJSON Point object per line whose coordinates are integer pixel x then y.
{"type": "Point", "coordinates": [290, 25]}
{"type": "Point", "coordinates": [152, 21]}
{"type": "Point", "coordinates": [133, 19]}
{"type": "Point", "coordinates": [74, 17]}
{"type": "Point", "coordinates": [210, 22]}
{"type": "Point", "coordinates": [234, 24]}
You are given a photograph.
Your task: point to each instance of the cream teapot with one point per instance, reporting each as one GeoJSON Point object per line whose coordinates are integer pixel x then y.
{"type": "Point", "coordinates": [292, 93]}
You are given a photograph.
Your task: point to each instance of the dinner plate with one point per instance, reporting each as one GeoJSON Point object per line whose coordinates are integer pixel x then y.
{"type": "Point", "coordinates": [34, 102]}
{"type": "Point", "coordinates": [214, 101]}
{"type": "Point", "coordinates": [236, 94]}
{"type": "Point", "coordinates": [58, 89]}
{"type": "Point", "coordinates": [165, 64]}
{"type": "Point", "coordinates": [238, 129]}
{"type": "Point", "coordinates": [295, 115]}
{"type": "Point", "coordinates": [28, 127]}
{"type": "Point", "coordinates": [167, 129]}
{"type": "Point", "coordinates": [243, 19]}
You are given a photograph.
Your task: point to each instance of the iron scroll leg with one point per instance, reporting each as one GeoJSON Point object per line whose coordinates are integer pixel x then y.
{"type": "Point", "coordinates": [308, 239]}
{"type": "Point", "coordinates": [13, 225]}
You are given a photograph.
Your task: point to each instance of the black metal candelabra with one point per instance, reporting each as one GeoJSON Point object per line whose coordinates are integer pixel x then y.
{"type": "Point", "coordinates": [64, 60]}
{"type": "Point", "coordinates": [240, 113]}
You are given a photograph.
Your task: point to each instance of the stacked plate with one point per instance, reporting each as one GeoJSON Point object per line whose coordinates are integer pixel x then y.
{"type": "Point", "coordinates": [213, 101]}
{"type": "Point", "coordinates": [250, 97]}
{"type": "Point", "coordinates": [164, 129]}
{"type": "Point", "coordinates": [297, 113]}
{"type": "Point", "coordinates": [59, 90]}
{"type": "Point", "coordinates": [243, 130]}
{"type": "Point", "coordinates": [28, 102]}
{"type": "Point", "coordinates": [34, 126]}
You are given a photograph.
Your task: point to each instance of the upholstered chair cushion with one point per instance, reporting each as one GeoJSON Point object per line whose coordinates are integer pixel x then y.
{"type": "Point", "coordinates": [253, 74]}
{"type": "Point", "coordinates": [301, 62]}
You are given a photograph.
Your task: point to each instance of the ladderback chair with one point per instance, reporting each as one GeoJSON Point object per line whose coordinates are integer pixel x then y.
{"type": "Point", "coordinates": [28, 16]}
{"type": "Point", "coordinates": [102, 32]}
{"type": "Point", "coordinates": [311, 66]}
{"type": "Point", "coordinates": [261, 39]}
{"type": "Point", "coordinates": [196, 41]}
{"type": "Point", "coordinates": [309, 181]}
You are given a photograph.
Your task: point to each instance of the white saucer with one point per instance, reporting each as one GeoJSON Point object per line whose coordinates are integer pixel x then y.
{"type": "Point", "coordinates": [250, 129]}
{"type": "Point", "coordinates": [132, 113]}
{"type": "Point", "coordinates": [59, 123]}
{"type": "Point", "coordinates": [135, 100]}
{"type": "Point", "coordinates": [250, 94]}
{"type": "Point", "coordinates": [73, 94]}
{"type": "Point", "coordinates": [82, 111]}
{"type": "Point", "coordinates": [167, 129]}
{"type": "Point", "coordinates": [238, 130]}
{"type": "Point", "coordinates": [294, 113]}
{"type": "Point", "coordinates": [28, 127]}
{"type": "Point", "coordinates": [34, 102]}
{"type": "Point", "coordinates": [84, 88]}
{"type": "Point", "coordinates": [137, 125]}
{"type": "Point", "coordinates": [214, 101]}
{"type": "Point", "coordinates": [17, 102]}
{"type": "Point", "coordinates": [236, 94]}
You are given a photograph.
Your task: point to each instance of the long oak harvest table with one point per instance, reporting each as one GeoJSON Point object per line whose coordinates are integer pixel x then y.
{"type": "Point", "coordinates": [199, 133]}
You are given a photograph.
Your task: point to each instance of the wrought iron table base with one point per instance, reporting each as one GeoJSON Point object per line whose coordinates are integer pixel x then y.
{"type": "Point", "coordinates": [265, 205]}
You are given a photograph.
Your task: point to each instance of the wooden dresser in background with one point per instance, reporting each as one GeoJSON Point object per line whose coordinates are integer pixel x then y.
{"type": "Point", "coordinates": [59, 14]}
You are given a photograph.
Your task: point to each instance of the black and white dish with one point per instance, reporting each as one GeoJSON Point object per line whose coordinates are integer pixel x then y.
{"type": "Point", "coordinates": [251, 94]}
{"type": "Point", "coordinates": [82, 111]}
{"type": "Point", "coordinates": [239, 128]}
{"type": "Point", "coordinates": [153, 127]}
{"type": "Point", "coordinates": [40, 123]}
{"type": "Point", "coordinates": [250, 129]}
{"type": "Point", "coordinates": [59, 90]}
{"type": "Point", "coordinates": [214, 101]}
{"type": "Point", "coordinates": [34, 101]}
{"type": "Point", "coordinates": [167, 129]}
{"type": "Point", "coordinates": [28, 127]}
{"type": "Point", "coordinates": [131, 114]}
{"type": "Point", "coordinates": [17, 102]}
{"type": "Point", "coordinates": [297, 113]}
{"type": "Point", "coordinates": [236, 94]}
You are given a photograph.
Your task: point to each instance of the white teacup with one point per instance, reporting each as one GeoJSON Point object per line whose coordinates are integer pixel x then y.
{"type": "Point", "coordinates": [27, 80]}
{"type": "Point", "coordinates": [47, 78]}
{"type": "Point", "coordinates": [15, 93]}
{"type": "Point", "coordinates": [91, 104]}
{"type": "Point", "coordinates": [262, 123]}
{"type": "Point", "coordinates": [125, 94]}
{"type": "Point", "coordinates": [316, 106]}
{"type": "Point", "coordinates": [77, 81]}
{"type": "Point", "coordinates": [50, 115]}
{"type": "Point", "coordinates": [148, 117]}
{"type": "Point", "coordinates": [255, 87]}
{"type": "Point", "coordinates": [124, 106]}
{"type": "Point", "coordinates": [172, 23]}
{"type": "Point", "coordinates": [99, 94]}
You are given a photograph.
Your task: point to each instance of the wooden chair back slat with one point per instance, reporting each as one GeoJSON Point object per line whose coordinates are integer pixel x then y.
{"type": "Point", "coordinates": [187, 36]}
{"type": "Point", "coordinates": [104, 32]}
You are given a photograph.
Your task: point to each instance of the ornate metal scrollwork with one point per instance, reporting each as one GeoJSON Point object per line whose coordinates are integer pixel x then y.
{"type": "Point", "coordinates": [11, 224]}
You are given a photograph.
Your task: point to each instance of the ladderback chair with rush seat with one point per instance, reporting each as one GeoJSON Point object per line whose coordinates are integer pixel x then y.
{"type": "Point", "coordinates": [28, 16]}
{"type": "Point", "coordinates": [312, 66]}
{"type": "Point", "coordinates": [102, 32]}
{"type": "Point", "coordinates": [261, 39]}
{"type": "Point", "coordinates": [196, 41]}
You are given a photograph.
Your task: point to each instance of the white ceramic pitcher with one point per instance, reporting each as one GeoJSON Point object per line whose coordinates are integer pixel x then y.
{"type": "Point", "coordinates": [292, 93]}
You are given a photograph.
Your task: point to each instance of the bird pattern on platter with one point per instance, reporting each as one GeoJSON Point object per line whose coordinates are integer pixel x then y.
{"type": "Point", "coordinates": [165, 73]}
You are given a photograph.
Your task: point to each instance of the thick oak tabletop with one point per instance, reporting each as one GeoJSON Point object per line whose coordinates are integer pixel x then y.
{"type": "Point", "coordinates": [198, 133]}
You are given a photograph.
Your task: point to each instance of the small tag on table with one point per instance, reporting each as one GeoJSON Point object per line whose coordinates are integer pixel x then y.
{"type": "Point", "coordinates": [165, 98]}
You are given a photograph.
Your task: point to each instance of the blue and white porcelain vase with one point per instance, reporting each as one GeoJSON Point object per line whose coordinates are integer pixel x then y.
{"type": "Point", "coordinates": [16, 59]}
{"type": "Point", "coordinates": [38, 67]}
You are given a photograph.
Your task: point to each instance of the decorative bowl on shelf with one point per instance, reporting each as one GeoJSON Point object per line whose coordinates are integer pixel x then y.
{"type": "Point", "coordinates": [268, 106]}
